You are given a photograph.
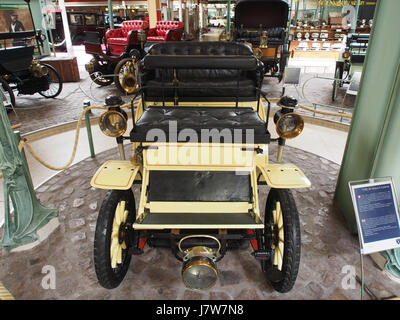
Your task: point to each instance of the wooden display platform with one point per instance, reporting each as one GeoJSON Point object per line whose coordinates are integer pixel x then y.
{"type": "Point", "coordinates": [67, 67]}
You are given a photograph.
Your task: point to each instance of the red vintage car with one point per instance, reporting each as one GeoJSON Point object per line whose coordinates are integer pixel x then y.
{"type": "Point", "coordinates": [115, 60]}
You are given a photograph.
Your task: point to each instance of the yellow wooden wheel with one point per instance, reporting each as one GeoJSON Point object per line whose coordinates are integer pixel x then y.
{"type": "Point", "coordinates": [118, 234]}
{"type": "Point", "coordinates": [282, 239]}
{"type": "Point", "coordinates": [112, 237]}
{"type": "Point", "coordinates": [278, 236]}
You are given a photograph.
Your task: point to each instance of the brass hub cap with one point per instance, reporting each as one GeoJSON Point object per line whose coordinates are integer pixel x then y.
{"type": "Point", "coordinates": [118, 234]}
{"type": "Point", "coordinates": [277, 236]}
{"type": "Point", "coordinates": [127, 77]}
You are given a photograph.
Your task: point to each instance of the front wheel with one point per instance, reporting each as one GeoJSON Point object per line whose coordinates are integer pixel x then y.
{"type": "Point", "coordinates": [111, 240]}
{"type": "Point", "coordinates": [98, 72]}
{"type": "Point", "coordinates": [55, 83]}
{"type": "Point", "coordinates": [125, 76]}
{"type": "Point", "coordinates": [282, 235]}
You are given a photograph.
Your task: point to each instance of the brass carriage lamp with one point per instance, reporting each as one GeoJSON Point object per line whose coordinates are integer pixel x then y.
{"type": "Point", "coordinates": [288, 123]}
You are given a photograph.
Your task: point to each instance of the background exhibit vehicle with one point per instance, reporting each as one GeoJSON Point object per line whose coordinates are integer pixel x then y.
{"type": "Point", "coordinates": [206, 204]}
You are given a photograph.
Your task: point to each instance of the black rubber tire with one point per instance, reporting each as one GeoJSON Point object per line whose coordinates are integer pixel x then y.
{"type": "Point", "coordinates": [283, 280]}
{"type": "Point", "coordinates": [10, 92]}
{"type": "Point", "coordinates": [98, 79]}
{"type": "Point", "coordinates": [108, 277]}
{"type": "Point", "coordinates": [116, 76]}
{"type": "Point", "coordinates": [55, 78]}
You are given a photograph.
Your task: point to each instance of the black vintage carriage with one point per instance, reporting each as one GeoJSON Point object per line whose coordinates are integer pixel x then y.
{"type": "Point", "coordinates": [263, 25]}
{"type": "Point", "coordinates": [20, 71]}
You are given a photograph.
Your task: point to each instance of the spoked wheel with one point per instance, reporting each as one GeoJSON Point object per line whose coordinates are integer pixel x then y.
{"type": "Point", "coordinates": [125, 75]}
{"type": "Point", "coordinates": [7, 95]}
{"type": "Point", "coordinates": [111, 241]}
{"type": "Point", "coordinates": [282, 235]}
{"type": "Point", "coordinates": [55, 83]}
{"type": "Point", "coordinates": [97, 76]}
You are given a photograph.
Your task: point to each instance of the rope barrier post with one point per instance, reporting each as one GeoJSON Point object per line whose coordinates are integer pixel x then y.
{"type": "Point", "coordinates": [20, 226]}
{"type": "Point", "coordinates": [86, 103]}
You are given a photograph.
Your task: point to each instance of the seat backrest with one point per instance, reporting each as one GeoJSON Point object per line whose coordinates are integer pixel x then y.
{"type": "Point", "coordinates": [213, 65]}
{"type": "Point", "coordinates": [200, 48]}
{"type": "Point", "coordinates": [163, 26]}
{"type": "Point", "coordinates": [133, 25]}
{"type": "Point", "coordinates": [16, 59]}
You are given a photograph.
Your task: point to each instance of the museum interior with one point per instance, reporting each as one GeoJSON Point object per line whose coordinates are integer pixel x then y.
{"type": "Point", "coordinates": [127, 129]}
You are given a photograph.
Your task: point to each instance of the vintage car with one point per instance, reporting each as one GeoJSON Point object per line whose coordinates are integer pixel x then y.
{"type": "Point", "coordinates": [79, 23]}
{"type": "Point", "coordinates": [350, 64]}
{"type": "Point", "coordinates": [199, 151]}
{"type": "Point", "coordinates": [20, 71]}
{"type": "Point", "coordinates": [115, 61]}
{"type": "Point", "coordinates": [263, 25]}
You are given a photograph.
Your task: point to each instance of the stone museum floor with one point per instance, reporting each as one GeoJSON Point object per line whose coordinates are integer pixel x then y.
{"type": "Point", "coordinates": [329, 249]}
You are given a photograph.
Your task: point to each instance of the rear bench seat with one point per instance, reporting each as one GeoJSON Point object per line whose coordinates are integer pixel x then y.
{"type": "Point", "coordinates": [201, 71]}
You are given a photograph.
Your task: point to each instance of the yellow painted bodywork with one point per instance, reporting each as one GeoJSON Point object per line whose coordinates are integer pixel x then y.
{"type": "Point", "coordinates": [191, 156]}
{"type": "Point", "coordinates": [115, 175]}
{"type": "Point", "coordinates": [281, 175]}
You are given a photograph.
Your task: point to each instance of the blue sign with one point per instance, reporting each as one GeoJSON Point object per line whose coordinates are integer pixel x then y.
{"type": "Point", "coordinates": [377, 216]}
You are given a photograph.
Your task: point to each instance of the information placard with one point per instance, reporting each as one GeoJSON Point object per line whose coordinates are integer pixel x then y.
{"type": "Point", "coordinates": [377, 215]}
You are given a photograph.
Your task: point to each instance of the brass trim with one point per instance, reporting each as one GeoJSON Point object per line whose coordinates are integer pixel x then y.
{"type": "Point", "coordinates": [199, 262]}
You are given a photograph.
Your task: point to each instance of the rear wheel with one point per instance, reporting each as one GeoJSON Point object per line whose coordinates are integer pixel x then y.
{"type": "Point", "coordinates": [125, 76]}
{"type": "Point", "coordinates": [7, 95]}
{"type": "Point", "coordinates": [55, 83]}
{"type": "Point", "coordinates": [282, 235]}
{"type": "Point", "coordinates": [111, 241]}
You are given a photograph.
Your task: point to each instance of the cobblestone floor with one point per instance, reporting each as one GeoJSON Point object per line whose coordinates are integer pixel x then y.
{"type": "Point", "coordinates": [327, 247]}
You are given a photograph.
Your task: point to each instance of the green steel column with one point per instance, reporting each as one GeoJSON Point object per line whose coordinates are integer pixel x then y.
{"type": "Point", "coordinates": [372, 148]}
{"type": "Point", "coordinates": [110, 14]}
{"type": "Point", "coordinates": [228, 18]}
{"type": "Point", "coordinates": [21, 226]}
{"type": "Point", "coordinates": [354, 24]}
{"type": "Point", "coordinates": [169, 10]}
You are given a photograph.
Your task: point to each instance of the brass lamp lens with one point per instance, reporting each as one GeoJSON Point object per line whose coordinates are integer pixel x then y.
{"type": "Point", "coordinates": [199, 273]}
{"type": "Point", "coordinates": [290, 125]}
{"type": "Point", "coordinates": [113, 123]}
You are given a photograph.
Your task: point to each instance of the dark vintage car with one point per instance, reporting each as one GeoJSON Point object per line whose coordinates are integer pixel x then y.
{"type": "Point", "coordinates": [21, 71]}
{"type": "Point", "coordinates": [79, 23]}
{"type": "Point", "coordinates": [263, 25]}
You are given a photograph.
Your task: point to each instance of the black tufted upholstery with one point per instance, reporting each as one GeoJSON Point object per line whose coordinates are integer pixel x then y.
{"type": "Point", "coordinates": [276, 35]}
{"type": "Point", "coordinates": [199, 119]}
{"type": "Point", "coordinates": [207, 70]}
{"type": "Point", "coordinates": [201, 48]}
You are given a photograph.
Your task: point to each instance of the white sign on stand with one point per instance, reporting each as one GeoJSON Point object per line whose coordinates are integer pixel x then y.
{"type": "Point", "coordinates": [377, 215]}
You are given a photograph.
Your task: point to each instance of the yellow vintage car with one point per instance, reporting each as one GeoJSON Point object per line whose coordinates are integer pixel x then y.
{"type": "Point", "coordinates": [199, 150]}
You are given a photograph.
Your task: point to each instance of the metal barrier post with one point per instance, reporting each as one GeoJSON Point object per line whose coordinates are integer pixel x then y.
{"type": "Point", "coordinates": [86, 103]}
{"type": "Point", "coordinates": [29, 215]}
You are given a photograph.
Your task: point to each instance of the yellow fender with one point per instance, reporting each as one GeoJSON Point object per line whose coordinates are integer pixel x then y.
{"type": "Point", "coordinates": [115, 175]}
{"type": "Point", "coordinates": [282, 175]}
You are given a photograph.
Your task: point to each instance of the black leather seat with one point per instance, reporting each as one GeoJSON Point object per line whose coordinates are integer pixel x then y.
{"type": "Point", "coordinates": [233, 125]}
{"type": "Point", "coordinates": [201, 71]}
{"type": "Point", "coordinates": [276, 35]}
